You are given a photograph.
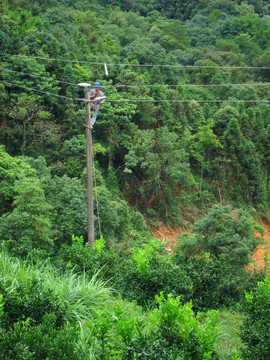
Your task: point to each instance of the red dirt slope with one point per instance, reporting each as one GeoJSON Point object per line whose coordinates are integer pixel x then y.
{"type": "Point", "coordinates": [169, 235]}
{"type": "Point", "coordinates": [259, 252]}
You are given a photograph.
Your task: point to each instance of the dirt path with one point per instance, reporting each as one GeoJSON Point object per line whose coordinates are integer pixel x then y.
{"type": "Point", "coordinates": [169, 235]}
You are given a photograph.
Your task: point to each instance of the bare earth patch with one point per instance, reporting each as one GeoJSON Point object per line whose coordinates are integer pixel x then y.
{"type": "Point", "coordinates": [259, 253]}
{"type": "Point", "coordinates": [169, 236]}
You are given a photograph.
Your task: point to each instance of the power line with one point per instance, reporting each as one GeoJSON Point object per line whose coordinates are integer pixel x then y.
{"type": "Point", "coordinates": [143, 100]}
{"type": "Point", "coordinates": [141, 65]}
{"type": "Point", "coordinates": [37, 76]}
{"type": "Point", "coordinates": [139, 85]}
{"type": "Point", "coordinates": [193, 100]}
{"type": "Point", "coordinates": [189, 85]}
{"type": "Point", "coordinates": [41, 91]}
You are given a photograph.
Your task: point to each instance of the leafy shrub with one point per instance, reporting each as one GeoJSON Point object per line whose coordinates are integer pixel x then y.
{"type": "Point", "coordinates": [27, 226]}
{"type": "Point", "coordinates": [45, 341]}
{"type": "Point", "coordinates": [223, 232]}
{"type": "Point", "coordinates": [29, 301]}
{"type": "Point", "coordinates": [33, 325]}
{"type": "Point", "coordinates": [44, 312]}
{"type": "Point", "coordinates": [91, 261]}
{"type": "Point", "coordinates": [149, 272]}
{"type": "Point", "coordinates": [255, 328]}
{"type": "Point", "coordinates": [214, 285]}
{"type": "Point", "coordinates": [175, 333]}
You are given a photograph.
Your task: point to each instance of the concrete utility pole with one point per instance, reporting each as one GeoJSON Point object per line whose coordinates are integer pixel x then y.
{"type": "Point", "coordinates": [89, 151]}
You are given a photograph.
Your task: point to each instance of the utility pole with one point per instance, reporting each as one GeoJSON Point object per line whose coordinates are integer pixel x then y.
{"type": "Point", "coordinates": [89, 151]}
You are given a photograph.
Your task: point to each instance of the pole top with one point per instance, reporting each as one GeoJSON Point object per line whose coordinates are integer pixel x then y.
{"type": "Point", "coordinates": [86, 86]}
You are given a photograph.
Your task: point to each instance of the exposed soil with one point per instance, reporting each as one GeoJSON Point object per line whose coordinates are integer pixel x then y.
{"type": "Point", "coordinates": [259, 253]}
{"type": "Point", "coordinates": [169, 235]}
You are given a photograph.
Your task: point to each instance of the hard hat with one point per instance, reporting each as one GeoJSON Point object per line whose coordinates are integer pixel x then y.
{"type": "Point", "coordinates": [97, 84]}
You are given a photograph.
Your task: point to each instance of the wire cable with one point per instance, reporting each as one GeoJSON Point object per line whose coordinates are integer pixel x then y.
{"type": "Point", "coordinates": [141, 65]}
{"type": "Point", "coordinates": [37, 76]}
{"type": "Point", "coordinates": [189, 85]}
{"type": "Point", "coordinates": [187, 101]}
{"type": "Point", "coordinates": [142, 100]}
{"type": "Point", "coordinates": [41, 91]}
{"type": "Point", "coordinates": [139, 85]}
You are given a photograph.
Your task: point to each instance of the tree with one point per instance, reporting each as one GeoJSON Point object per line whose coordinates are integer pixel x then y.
{"type": "Point", "coordinates": [68, 201]}
{"type": "Point", "coordinates": [32, 122]}
{"type": "Point", "coordinates": [223, 232]}
{"type": "Point", "coordinates": [38, 81]}
{"type": "Point", "coordinates": [10, 170]}
{"type": "Point", "coordinates": [202, 144]}
{"type": "Point", "coordinates": [27, 227]}
{"type": "Point", "coordinates": [242, 166]}
{"type": "Point", "coordinates": [174, 332]}
{"type": "Point", "coordinates": [222, 118]}
{"type": "Point", "coordinates": [267, 159]}
{"type": "Point", "coordinates": [255, 327]}
{"type": "Point", "coordinates": [158, 164]}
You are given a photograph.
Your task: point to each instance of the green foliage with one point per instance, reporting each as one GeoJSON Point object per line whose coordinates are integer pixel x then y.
{"type": "Point", "coordinates": [159, 159]}
{"type": "Point", "coordinates": [242, 166]}
{"type": "Point", "coordinates": [10, 170]}
{"type": "Point", "coordinates": [222, 231]}
{"type": "Point", "coordinates": [44, 310]}
{"type": "Point", "coordinates": [27, 227]}
{"type": "Point", "coordinates": [43, 341]}
{"type": "Point", "coordinates": [169, 160]}
{"type": "Point", "coordinates": [82, 258]}
{"type": "Point", "coordinates": [29, 302]}
{"type": "Point", "coordinates": [32, 123]}
{"type": "Point", "coordinates": [67, 198]}
{"type": "Point", "coordinates": [254, 330]}
{"type": "Point", "coordinates": [175, 332]}
{"type": "Point", "coordinates": [150, 271]}
{"type": "Point", "coordinates": [214, 284]}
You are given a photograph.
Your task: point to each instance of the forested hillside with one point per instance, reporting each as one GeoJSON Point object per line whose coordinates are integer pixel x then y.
{"type": "Point", "coordinates": [183, 139]}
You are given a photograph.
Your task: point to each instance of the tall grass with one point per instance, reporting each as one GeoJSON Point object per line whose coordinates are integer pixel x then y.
{"type": "Point", "coordinates": [229, 342]}
{"type": "Point", "coordinates": [82, 297]}
{"type": "Point", "coordinates": [101, 320]}
{"type": "Point", "coordinates": [89, 303]}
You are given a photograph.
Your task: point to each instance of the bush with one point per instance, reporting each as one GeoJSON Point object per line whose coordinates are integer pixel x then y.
{"type": "Point", "coordinates": [149, 272]}
{"type": "Point", "coordinates": [30, 302]}
{"type": "Point", "coordinates": [45, 341]}
{"type": "Point", "coordinates": [255, 328]}
{"type": "Point", "coordinates": [82, 258]}
{"type": "Point", "coordinates": [175, 333]}
{"type": "Point", "coordinates": [33, 325]}
{"type": "Point", "coordinates": [213, 284]}
{"type": "Point", "coordinates": [223, 232]}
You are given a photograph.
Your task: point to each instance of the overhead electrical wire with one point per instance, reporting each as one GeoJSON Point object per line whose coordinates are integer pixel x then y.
{"type": "Point", "coordinates": [141, 100]}
{"type": "Point", "coordinates": [137, 85]}
{"type": "Point", "coordinates": [37, 76]}
{"type": "Point", "coordinates": [187, 101]}
{"type": "Point", "coordinates": [41, 91]}
{"type": "Point", "coordinates": [188, 85]}
{"type": "Point", "coordinates": [139, 65]}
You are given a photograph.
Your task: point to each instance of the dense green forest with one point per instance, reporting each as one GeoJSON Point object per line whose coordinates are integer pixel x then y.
{"type": "Point", "coordinates": [183, 139]}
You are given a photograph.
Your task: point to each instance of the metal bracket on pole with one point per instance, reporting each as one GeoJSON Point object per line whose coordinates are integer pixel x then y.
{"type": "Point", "coordinates": [85, 85]}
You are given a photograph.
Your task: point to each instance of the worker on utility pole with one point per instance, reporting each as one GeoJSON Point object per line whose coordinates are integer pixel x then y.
{"type": "Point", "coordinates": [95, 105]}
